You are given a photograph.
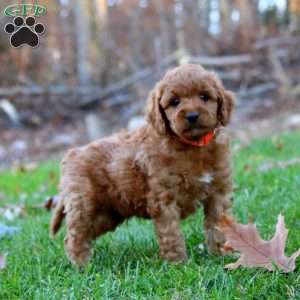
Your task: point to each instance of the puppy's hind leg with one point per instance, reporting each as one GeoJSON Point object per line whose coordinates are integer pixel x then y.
{"type": "Point", "coordinates": [79, 214]}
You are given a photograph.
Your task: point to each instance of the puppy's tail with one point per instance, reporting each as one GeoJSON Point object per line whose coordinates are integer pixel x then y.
{"type": "Point", "coordinates": [57, 217]}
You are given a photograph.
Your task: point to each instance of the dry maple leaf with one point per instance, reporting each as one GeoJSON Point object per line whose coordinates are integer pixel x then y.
{"type": "Point", "coordinates": [255, 252]}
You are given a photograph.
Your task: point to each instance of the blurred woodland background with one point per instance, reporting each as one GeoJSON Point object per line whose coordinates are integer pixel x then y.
{"type": "Point", "coordinates": [98, 60]}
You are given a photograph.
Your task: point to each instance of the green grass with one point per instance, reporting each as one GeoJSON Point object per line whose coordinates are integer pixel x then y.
{"type": "Point", "coordinates": [126, 263]}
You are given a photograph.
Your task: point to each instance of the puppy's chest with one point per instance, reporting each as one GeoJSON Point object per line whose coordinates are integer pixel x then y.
{"type": "Point", "coordinates": [197, 178]}
{"type": "Point", "coordinates": [193, 184]}
{"type": "Point", "coordinates": [206, 178]}
{"type": "Point", "coordinates": [192, 191]}
{"type": "Point", "coordinates": [198, 173]}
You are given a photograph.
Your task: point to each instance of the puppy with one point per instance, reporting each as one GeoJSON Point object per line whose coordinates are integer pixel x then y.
{"type": "Point", "coordinates": [163, 171]}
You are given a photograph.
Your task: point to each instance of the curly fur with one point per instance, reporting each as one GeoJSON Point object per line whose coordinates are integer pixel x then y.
{"type": "Point", "coordinates": [150, 173]}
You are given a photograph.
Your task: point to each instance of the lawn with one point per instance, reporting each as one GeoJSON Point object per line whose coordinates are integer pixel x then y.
{"type": "Point", "coordinates": [126, 264]}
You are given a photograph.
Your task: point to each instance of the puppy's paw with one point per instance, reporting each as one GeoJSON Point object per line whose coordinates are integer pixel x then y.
{"type": "Point", "coordinates": [215, 240]}
{"type": "Point", "coordinates": [175, 257]}
{"type": "Point", "coordinates": [176, 254]}
{"type": "Point", "coordinates": [78, 254]}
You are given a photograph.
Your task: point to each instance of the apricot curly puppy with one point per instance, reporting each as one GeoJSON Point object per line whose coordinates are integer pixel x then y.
{"type": "Point", "coordinates": [162, 171]}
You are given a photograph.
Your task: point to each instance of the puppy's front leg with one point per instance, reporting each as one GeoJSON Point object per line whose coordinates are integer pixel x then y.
{"type": "Point", "coordinates": [167, 226]}
{"type": "Point", "coordinates": [216, 205]}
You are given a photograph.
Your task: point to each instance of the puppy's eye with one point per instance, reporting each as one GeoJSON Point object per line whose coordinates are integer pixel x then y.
{"type": "Point", "coordinates": [175, 101]}
{"type": "Point", "coordinates": [204, 97]}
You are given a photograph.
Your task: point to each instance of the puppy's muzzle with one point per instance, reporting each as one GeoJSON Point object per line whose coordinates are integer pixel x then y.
{"type": "Point", "coordinates": [192, 117]}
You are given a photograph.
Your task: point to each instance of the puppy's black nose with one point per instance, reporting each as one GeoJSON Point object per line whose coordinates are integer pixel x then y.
{"type": "Point", "coordinates": [192, 117]}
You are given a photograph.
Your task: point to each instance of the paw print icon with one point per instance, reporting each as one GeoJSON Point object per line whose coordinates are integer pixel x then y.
{"type": "Point", "coordinates": [24, 31]}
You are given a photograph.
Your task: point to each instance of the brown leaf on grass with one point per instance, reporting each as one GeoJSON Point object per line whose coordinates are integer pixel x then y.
{"type": "Point", "coordinates": [2, 262]}
{"type": "Point", "coordinates": [256, 252]}
{"type": "Point", "coordinates": [24, 167]}
{"type": "Point", "coordinates": [279, 146]}
{"type": "Point", "coordinates": [52, 176]}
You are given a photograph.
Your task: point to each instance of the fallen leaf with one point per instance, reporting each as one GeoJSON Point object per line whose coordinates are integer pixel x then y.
{"type": "Point", "coordinates": [11, 212]}
{"type": "Point", "coordinates": [52, 176]}
{"type": "Point", "coordinates": [279, 164]}
{"type": "Point", "coordinates": [247, 167]}
{"type": "Point", "coordinates": [279, 146]}
{"type": "Point", "coordinates": [2, 262]}
{"type": "Point", "coordinates": [28, 167]}
{"type": "Point", "coordinates": [256, 252]}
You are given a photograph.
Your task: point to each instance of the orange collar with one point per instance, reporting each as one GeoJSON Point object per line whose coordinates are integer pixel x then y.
{"type": "Point", "coordinates": [203, 141]}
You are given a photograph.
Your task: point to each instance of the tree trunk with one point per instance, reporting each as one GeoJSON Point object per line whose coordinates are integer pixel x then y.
{"type": "Point", "coordinates": [179, 25]}
{"type": "Point", "coordinates": [164, 28]}
{"type": "Point", "coordinates": [82, 30]}
{"type": "Point", "coordinates": [99, 18]}
{"type": "Point", "coordinates": [225, 11]}
{"type": "Point", "coordinates": [248, 29]}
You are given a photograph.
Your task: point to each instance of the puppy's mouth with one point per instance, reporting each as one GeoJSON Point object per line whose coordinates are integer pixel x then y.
{"type": "Point", "coordinates": [195, 133]}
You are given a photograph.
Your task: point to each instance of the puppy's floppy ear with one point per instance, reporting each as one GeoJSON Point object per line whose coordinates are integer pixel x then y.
{"type": "Point", "coordinates": [226, 104]}
{"type": "Point", "coordinates": [154, 110]}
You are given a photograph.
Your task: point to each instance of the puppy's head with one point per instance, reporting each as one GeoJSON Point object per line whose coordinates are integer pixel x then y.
{"type": "Point", "coordinates": [189, 102]}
